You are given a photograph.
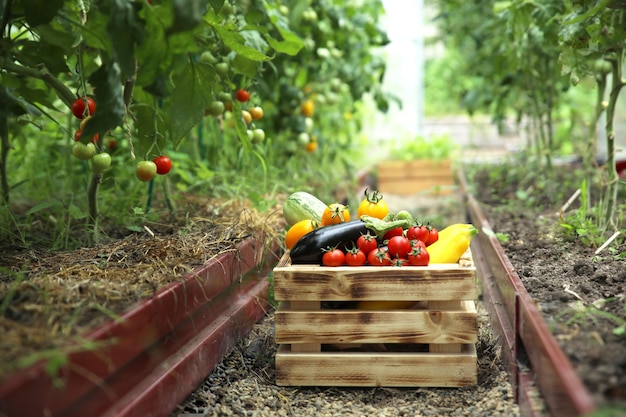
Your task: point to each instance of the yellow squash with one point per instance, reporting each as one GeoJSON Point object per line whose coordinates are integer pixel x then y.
{"type": "Point", "coordinates": [449, 248]}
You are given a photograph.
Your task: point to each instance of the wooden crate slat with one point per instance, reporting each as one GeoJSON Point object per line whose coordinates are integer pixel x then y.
{"type": "Point", "coordinates": [394, 326]}
{"type": "Point", "coordinates": [373, 369]}
{"type": "Point", "coordinates": [435, 282]}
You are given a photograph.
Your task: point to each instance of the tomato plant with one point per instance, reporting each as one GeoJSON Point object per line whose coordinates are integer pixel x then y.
{"type": "Point", "coordinates": [146, 170]}
{"type": "Point", "coordinates": [333, 257]}
{"type": "Point", "coordinates": [256, 112]}
{"type": "Point", "coordinates": [335, 213]}
{"type": "Point", "coordinates": [83, 151]}
{"type": "Point", "coordinates": [163, 164]}
{"type": "Point", "coordinates": [100, 162]}
{"type": "Point", "coordinates": [373, 205]}
{"type": "Point", "coordinates": [243, 95]}
{"type": "Point", "coordinates": [78, 107]}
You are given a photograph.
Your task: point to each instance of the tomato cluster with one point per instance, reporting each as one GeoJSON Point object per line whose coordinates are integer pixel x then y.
{"type": "Point", "coordinates": [398, 247]}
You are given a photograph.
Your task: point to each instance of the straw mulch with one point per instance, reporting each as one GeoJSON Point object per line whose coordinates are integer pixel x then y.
{"type": "Point", "coordinates": [49, 300]}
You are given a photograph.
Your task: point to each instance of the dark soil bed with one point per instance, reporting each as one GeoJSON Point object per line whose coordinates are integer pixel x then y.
{"type": "Point", "coordinates": [580, 294]}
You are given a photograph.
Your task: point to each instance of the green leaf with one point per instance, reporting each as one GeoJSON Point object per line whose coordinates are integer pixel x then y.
{"type": "Point", "coordinates": [125, 31]}
{"type": "Point", "coordinates": [40, 12]}
{"type": "Point", "coordinates": [13, 106]}
{"type": "Point", "coordinates": [110, 108]}
{"type": "Point", "coordinates": [233, 39]}
{"type": "Point", "coordinates": [187, 14]}
{"type": "Point", "coordinates": [190, 96]}
{"type": "Point", "coordinates": [216, 4]}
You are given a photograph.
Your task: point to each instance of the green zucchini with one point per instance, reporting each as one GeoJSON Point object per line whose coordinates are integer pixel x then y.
{"type": "Point", "coordinates": [302, 206]}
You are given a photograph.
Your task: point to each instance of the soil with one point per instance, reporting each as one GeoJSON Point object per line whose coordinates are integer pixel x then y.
{"type": "Point", "coordinates": [580, 294]}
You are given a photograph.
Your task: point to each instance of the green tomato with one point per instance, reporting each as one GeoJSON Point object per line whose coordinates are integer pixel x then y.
{"type": "Point", "coordinates": [216, 108]}
{"type": "Point", "coordinates": [208, 58]}
{"type": "Point", "coordinates": [304, 138]}
{"type": "Point", "coordinates": [146, 170]}
{"type": "Point", "coordinates": [222, 69]}
{"type": "Point", "coordinates": [224, 97]}
{"type": "Point", "coordinates": [100, 162]}
{"type": "Point", "coordinates": [258, 135]}
{"type": "Point", "coordinates": [83, 151]}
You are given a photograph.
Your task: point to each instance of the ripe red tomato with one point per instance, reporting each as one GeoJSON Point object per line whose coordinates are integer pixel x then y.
{"type": "Point", "coordinates": [78, 107]}
{"type": "Point", "coordinates": [417, 232]}
{"type": "Point", "coordinates": [146, 170]}
{"type": "Point", "coordinates": [79, 133]}
{"type": "Point", "coordinates": [398, 231]}
{"type": "Point", "coordinates": [163, 164]}
{"type": "Point", "coordinates": [355, 257]}
{"type": "Point", "coordinates": [379, 257]}
{"type": "Point", "coordinates": [243, 95]}
{"type": "Point", "coordinates": [418, 256]}
{"type": "Point", "coordinates": [366, 243]}
{"type": "Point", "coordinates": [333, 257]}
{"type": "Point", "coordinates": [433, 235]}
{"type": "Point", "coordinates": [398, 247]}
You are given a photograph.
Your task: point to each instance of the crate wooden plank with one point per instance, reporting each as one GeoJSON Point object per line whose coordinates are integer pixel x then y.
{"type": "Point", "coordinates": [415, 185]}
{"type": "Point", "coordinates": [308, 308]}
{"type": "Point", "coordinates": [446, 347]}
{"type": "Point", "coordinates": [316, 283]}
{"type": "Point", "coordinates": [406, 177]}
{"type": "Point", "coordinates": [296, 326]}
{"type": "Point", "coordinates": [375, 369]}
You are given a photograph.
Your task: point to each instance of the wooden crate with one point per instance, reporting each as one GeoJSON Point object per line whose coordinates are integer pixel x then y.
{"type": "Point", "coordinates": [409, 177]}
{"type": "Point", "coordinates": [325, 341]}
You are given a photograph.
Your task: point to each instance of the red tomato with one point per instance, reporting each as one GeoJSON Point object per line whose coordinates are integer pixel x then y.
{"type": "Point", "coordinates": [433, 236]}
{"type": "Point", "coordinates": [379, 257]}
{"type": "Point", "coordinates": [417, 232]}
{"type": "Point", "coordinates": [393, 232]}
{"type": "Point", "coordinates": [355, 257]}
{"type": "Point", "coordinates": [418, 256]}
{"type": "Point", "coordinates": [243, 95]}
{"type": "Point", "coordinates": [366, 243]}
{"type": "Point", "coordinates": [417, 243]}
{"type": "Point", "coordinates": [398, 262]}
{"type": "Point", "coordinates": [163, 163]}
{"type": "Point", "coordinates": [399, 247]}
{"type": "Point", "coordinates": [333, 257]}
{"type": "Point", "coordinates": [78, 107]}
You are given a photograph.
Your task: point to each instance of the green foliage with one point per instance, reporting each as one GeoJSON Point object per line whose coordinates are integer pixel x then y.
{"type": "Point", "coordinates": [154, 70]}
{"type": "Point", "coordinates": [436, 148]}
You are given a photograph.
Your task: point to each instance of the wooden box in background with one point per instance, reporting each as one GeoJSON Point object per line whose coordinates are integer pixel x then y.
{"type": "Point", "coordinates": [421, 175]}
{"type": "Point", "coordinates": [324, 340]}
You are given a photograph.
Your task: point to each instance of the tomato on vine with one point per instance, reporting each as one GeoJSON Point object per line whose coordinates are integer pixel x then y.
{"type": "Point", "coordinates": [333, 257]}
{"type": "Point", "coordinates": [256, 112]}
{"type": "Point", "coordinates": [243, 95]}
{"type": "Point", "coordinates": [418, 232]}
{"type": "Point", "coordinates": [307, 108]}
{"type": "Point", "coordinates": [146, 170]}
{"type": "Point", "coordinates": [100, 162]}
{"type": "Point", "coordinates": [379, 257]}
{"type": "Point", "coordinates": [335, 213]}
{"type": "Point", "coordinates": [373, 205]}
{"type": "Point", "coordinates": [79, 133]}
{"type": "Point", "coordinates": [311, 147]}
{"type": "Point", "coordinates": [79, 107]}
{"type": "Point", "coordinates": [163, 164]}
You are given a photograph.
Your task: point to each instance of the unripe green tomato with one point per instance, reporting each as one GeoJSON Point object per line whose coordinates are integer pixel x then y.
{"type": "Point", "coordinates": [250, 134]}
{"type": "Point", "coordinates": [304, 138]}
{"type": "Point", "coordinates": [208, 58]}
{"type": "Point", "coordinates": [222, 69]}
{"type": "Point", "coordinates": [284, 10]}
{"type": "Point", "coordinates": [224, 96]}
{"type": "Point", "coordinates": [146, 170]}
{"type": "Point", "coordinates": [216, 108]}
{"type": "Point", "coordinates": [308, 123]}
{"type": "Point", "coordinates": [258, 135]}
{"type": "Point", "coordinates": [100, 162]}
{"type": "Point", "coordinates": [83, 151]}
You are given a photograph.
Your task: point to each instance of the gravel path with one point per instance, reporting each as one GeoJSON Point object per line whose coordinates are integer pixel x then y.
{"type": "Point", "coordinates": [243, 383]}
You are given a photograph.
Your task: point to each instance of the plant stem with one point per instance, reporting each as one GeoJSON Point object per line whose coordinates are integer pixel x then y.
{"type": "Point", "coordinates": [4, 155]}
{"type": "Point", "coordinates": [92, 197]}
{"type": "Point", "coordinates": [65, 94]}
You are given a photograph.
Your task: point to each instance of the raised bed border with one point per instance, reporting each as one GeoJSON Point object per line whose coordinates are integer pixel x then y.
{"type": "Point", "coordinates": [162, 348]}
{"type": "Point", "coordinates": [530, 353]}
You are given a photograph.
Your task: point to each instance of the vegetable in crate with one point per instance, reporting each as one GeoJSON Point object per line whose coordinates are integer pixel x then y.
{"type": "Point", "coordinates": [303, 206]}
{"type": "Point", "coordinates": [309, 249]}
{"type": "Point", "coordinates": [452, 244]}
